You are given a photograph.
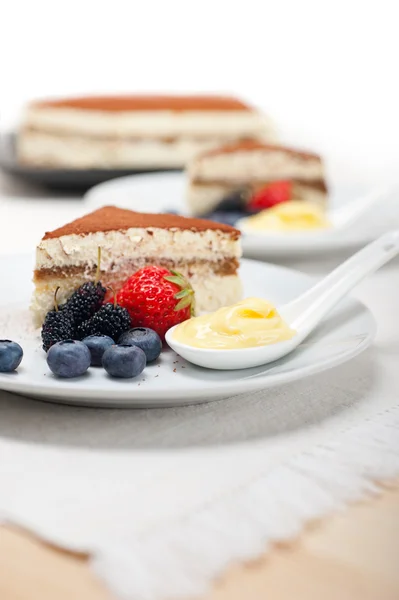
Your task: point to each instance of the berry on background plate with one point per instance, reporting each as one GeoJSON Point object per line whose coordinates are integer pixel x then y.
{"type": "Point", "coordinates": [11, 355]}
{"type": "Point", "coordinates": [234, 201]}
{"type": "Point", "coordinates": [124, 361]}
{"type": "Point", "coordinates": [146, 339]}
{"type": "Point", "coordinates": [157, 298]}
{"type": "Point", "coordinates": [271, 194]}
{"type": "Point", "coordinates": [97, 344]}
{"type": "Point", "coordinates": [69, 358]}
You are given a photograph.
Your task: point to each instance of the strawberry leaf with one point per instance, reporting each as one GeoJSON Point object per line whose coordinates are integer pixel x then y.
{"type": "Point", "coordinates": [183, 303]}
{"type": "Point", "coordinates": [183, 294]}
{"type": "Point", "coordinates": [174, 279]}
{"type": "Point", "coordinates": [186, 294]}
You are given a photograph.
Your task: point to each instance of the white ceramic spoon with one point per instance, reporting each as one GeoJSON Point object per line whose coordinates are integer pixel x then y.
{"type": "Point", "coordinates": [340, 218]}
{"type": "Point", "coordinates": [302, 314]}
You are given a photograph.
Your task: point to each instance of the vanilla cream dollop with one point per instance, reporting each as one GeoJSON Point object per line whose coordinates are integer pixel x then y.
{"type": "Point", "coordinates": [250, 323]}
{"type": "Point", "coordinates": [289, 216]}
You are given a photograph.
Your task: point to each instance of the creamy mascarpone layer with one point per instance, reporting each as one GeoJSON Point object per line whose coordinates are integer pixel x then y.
{"type": "Point", "coordinates": [148, 123]}
{"type": "Point", "coordinates": [176, 245]}
{"type": "Point", "coordinates": [42, 149]}
{"type": "Point", "coordinates": [255, 165]}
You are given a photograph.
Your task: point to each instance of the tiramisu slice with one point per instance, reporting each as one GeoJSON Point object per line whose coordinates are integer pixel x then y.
{"type": "Point", "coordinates": [206, 253]}
{"type": "Point", "coordinates": [133, 131]}
{"type": "Point", "coordinates": [253, 165]}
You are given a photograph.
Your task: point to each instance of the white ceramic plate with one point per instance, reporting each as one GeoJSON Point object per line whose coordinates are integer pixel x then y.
{"type": "Point", "coordinates": [161, 192]}
{"type": "Point", "coordinates": [172, 381]}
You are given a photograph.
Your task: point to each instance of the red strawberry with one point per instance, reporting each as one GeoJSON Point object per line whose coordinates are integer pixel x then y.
{"type": "Point", "coordinates": [157, 298]}
{"type": "Point", "coordinates": [273, 193]}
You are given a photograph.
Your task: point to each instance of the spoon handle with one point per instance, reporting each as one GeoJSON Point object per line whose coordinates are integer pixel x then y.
{"type": "Point", "coordinates": [307, 310]}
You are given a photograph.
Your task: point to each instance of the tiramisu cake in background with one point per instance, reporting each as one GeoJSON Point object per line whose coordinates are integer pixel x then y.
{"type": "Point", "coordinates": [138, 132]}
{"type": "Point", "coordinates": [252, 176]}
{"type": "Point", "coordinates": [206, 253]}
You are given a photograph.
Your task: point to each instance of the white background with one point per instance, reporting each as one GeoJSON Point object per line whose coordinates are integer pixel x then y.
{"type": "Point", "coordinates": [326, 71]}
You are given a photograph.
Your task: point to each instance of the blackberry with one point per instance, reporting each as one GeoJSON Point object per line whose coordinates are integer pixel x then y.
{"type": "Point", "coordinates": [111, 320]}
{"type": "Point", "coordinates": [58, 325]}
{"type": "Point", "coordinates": [85, 301]}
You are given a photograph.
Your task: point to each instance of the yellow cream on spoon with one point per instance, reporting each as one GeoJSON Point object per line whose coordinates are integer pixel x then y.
{"type": "Point", "coordinates": [247, 324]}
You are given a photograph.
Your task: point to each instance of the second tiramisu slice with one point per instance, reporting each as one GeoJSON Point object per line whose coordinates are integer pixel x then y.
{"type": "Point", "coordinates": [252, 166]}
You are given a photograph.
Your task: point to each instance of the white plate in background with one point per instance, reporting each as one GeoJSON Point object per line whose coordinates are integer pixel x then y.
{"type": "Point", "coordinates": [161, 192]}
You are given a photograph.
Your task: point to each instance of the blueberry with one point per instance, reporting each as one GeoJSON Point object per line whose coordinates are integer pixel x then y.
{"type": "Point", "coordinates": [10, 356]}
{"type": "Point", "coordinates": [124, 361]}
{"type": "Point", "coordinates": [97, 344]}
{"type": "Point", "coordinates": [234, 201]}
{"type": "Point", "coordinates": [69, 358]}
{"type": "Point", "coordinates": [228, 218]}
{"type": "Point", "coordinates": [146, 339]}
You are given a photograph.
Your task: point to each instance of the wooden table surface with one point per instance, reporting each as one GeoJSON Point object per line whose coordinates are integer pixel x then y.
{"type": "Point", "coordinates": [350, 556]}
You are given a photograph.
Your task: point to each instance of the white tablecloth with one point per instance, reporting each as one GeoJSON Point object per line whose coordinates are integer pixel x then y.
{"type": "Point", "coordinates": [163, 499]}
